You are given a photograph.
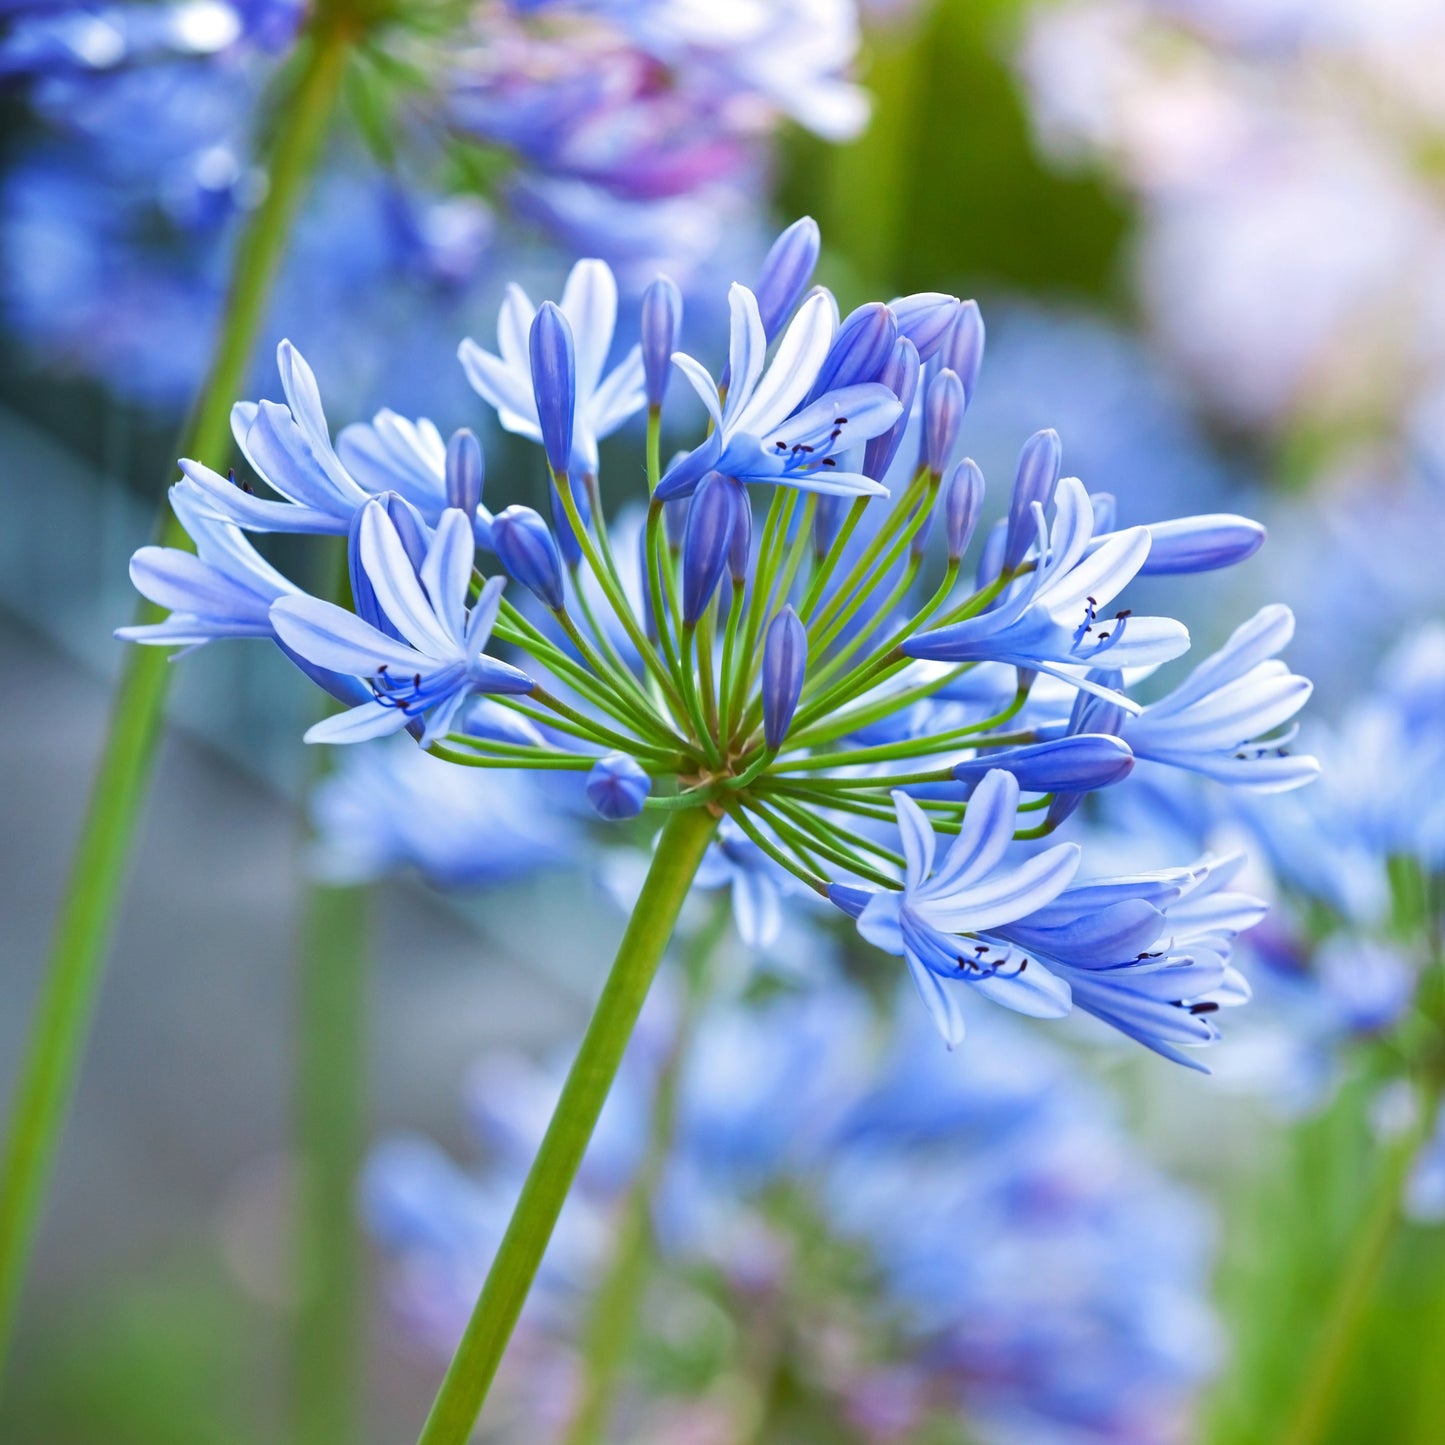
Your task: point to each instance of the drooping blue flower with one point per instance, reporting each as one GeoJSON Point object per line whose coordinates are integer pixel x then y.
{"type": "Point", "coordinates": [435, 664]}
{"type": "Point", "coordinates": [1051, 618]}
{"type": "Point", "coordinates": [1213, 722]}
{"type": "Point", "coordinates": [759, 434]}
{"type": "Point", "coordinates": [1148, 954]}
{"type": "Point", "coordinates": [934, 921]}
{"type": "Point", "coordinates": [601, 402]}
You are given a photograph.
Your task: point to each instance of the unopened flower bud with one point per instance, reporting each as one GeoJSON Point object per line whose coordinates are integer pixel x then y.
{"type": "Point", "coordinates": [787, 269]}
{"type": "Point", "coordinates": [1106, 512]}
{"type": "Point", "coordinates": [554, 383]}
{"type": "Point", "coordinates": [711, 520]}
{"type": "Point", "coordinates": [860, 350]}
{"type": "Point", "coordinates": [990, 560]}
{"type": "Point", "coordinates": [1071, 764]}
{"type": "Point", "coordinates": [962, 349]}
{"type": "Point", "coordinates": [943, 410]}
{"type": "Point", "coordinates": [785, 662]}
{"type": "Point", "coordinates": [900, 376]}
{"type": "Point", "coordinates": [525, 546]}
{"type": "Point", "coordinates": [962, 498]}
{"type": "Point", "coordinates": [1040, 461]}
{"type": "Point", "coordinates": [661, 322]}
{"type": "Point", "coordinates": [740, 550]}
{"type": "Point", "coordinates": [465, 471]}
{"type": "Point", "coordinates": [926, 318]}
{"type": "Point", "coordinates": [617, 787]}
{"type": "Point", "coordinates": [1201, 544]}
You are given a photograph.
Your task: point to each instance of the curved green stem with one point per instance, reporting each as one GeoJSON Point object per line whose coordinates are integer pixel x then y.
{"type": "Point", "coordinates": [464, 1390]}
{"type": "Point", "coordinates": [47, 1073]}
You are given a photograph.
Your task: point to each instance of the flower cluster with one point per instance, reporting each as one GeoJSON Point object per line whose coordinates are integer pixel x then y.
{"type": "Point", "coordinates": [1049, 1284]}
{"type": "Point", "coordinates": [832, 681]}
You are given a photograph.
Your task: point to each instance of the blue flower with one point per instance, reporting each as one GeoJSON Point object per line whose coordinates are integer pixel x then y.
{"type": "Point", "coordinates": [289, 448]}
{"type": "Point", "coordinates": [224, 589]}
{"type": "Point", "coordinates": [759, 434]}
{"type": "Point", "coordinates": [435, 664]}
{"type": "Point", "coordinates": [1051, 618]}
{"type": "Point", "coordinates": [1212, 722]}
{"type": "Point", "coordinates": [602, 403]}
{"type": "Point", "coordinates": [1148, 954]}
{"type": "Point", "coordinates": [935, 921]}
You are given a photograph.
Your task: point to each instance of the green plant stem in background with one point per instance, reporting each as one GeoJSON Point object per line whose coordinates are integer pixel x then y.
{"type": "Point", "coordinates": [612, 1320]}
{"type": "Point", "coordinates": [68, 991]}
{"type": "Point", "coordinates": [331, 1112]}
{"type": "Point", "coordinates": [1327, 1369]}
{"type": "Point", "coordinates": [459, 1402]}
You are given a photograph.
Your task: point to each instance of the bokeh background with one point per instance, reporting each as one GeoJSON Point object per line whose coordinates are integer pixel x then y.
{"type": "Point", "coordinates": [1208, 237]}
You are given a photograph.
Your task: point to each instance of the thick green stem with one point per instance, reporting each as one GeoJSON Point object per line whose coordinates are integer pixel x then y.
{"type": "Point", "coordinates": [47, 1073]}
{"type": "Point", "coordinates": [331, 1137]}
{"type": "Point", "coordinates": [612, 1319]}
{"type": "Point", "coordinates": [464, 1390]}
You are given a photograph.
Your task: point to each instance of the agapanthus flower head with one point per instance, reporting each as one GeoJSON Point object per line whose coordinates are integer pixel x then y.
{"type": "Point", "coordinates": [821, 682]}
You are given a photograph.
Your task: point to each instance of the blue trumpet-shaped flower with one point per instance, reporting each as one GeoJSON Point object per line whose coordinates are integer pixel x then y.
{"type": "Point", "coordinates": [289, 448]}
{"type": "Point", "coordinates": [601, 402]}
{"type": "Point", "coordinates": [1053, 617]}
{"type": "Point", "coordinates": [434, 664]}
{"type": "Point", "coordinates": [935, 921]}
{"type": "Point", "coordinates": [759, 434]}
{"type": "Point", "coordinates": [1212, 722]}
{"type": "Point", "coordinates": [1149, 955]}
{"type": "Point", "coordinates": [224, 589]}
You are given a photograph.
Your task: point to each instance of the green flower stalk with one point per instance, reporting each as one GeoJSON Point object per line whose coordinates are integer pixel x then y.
{"type": "Point", "coordinates": [73, 972]}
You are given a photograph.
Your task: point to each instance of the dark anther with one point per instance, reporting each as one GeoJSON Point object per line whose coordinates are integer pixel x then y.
{"type": "Point", "coordinates": [1203, 1008]}
{"type": "Point", "coordinates": [416, 680]}
{"type": "Point", "coordinates": [829, 462]}
{"type": "Point", "coordinates": [1120, 616]}
{"type": "Point", "coordinates": [840, 421]}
